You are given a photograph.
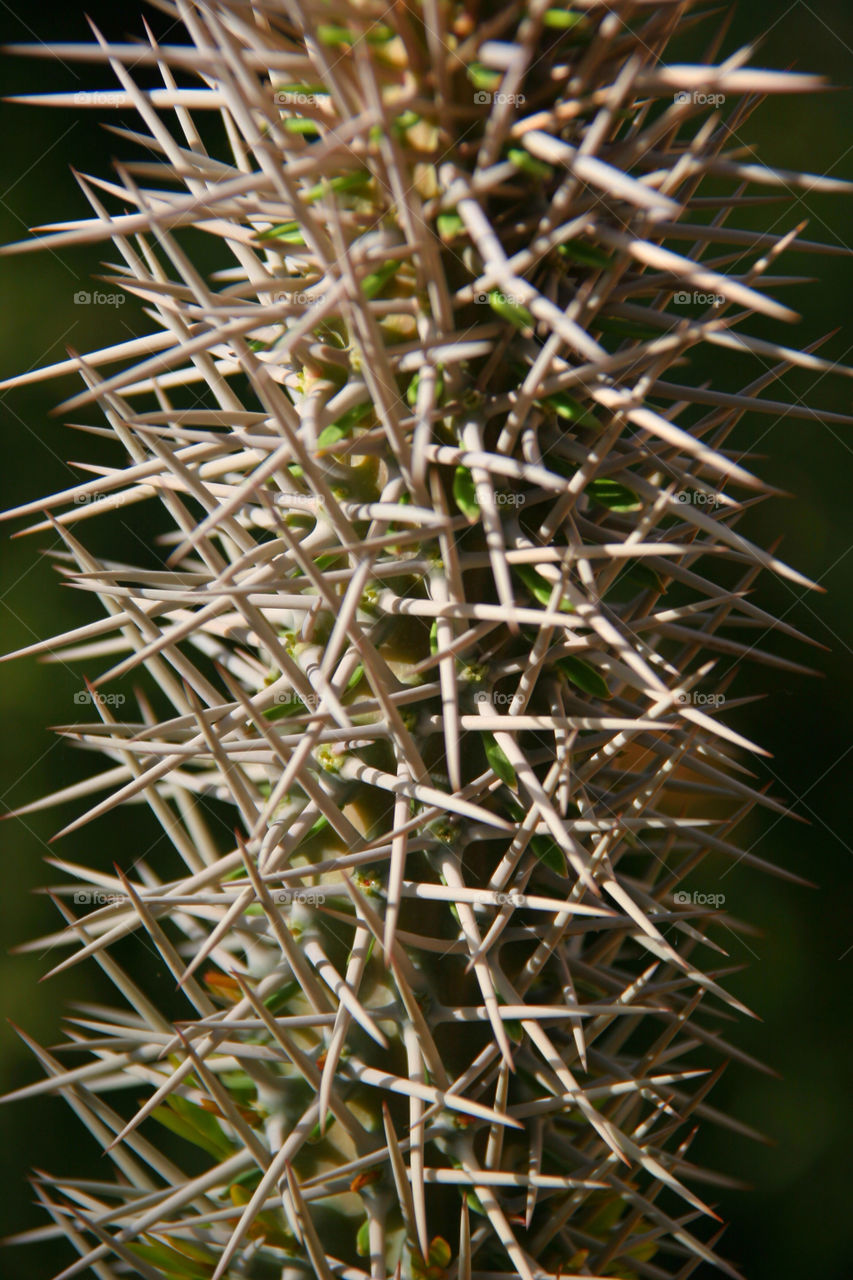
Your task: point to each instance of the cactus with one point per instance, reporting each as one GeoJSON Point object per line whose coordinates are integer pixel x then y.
{"type": "Point", "coordinates": [450, 568]}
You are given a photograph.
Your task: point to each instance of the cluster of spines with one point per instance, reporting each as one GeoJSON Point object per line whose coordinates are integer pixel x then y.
{"type": "Point", "coordinates": [429, 489]}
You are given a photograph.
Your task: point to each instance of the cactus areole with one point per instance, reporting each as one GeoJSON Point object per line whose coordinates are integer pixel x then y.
{"type": "Point", "coordinates": [448, 598]}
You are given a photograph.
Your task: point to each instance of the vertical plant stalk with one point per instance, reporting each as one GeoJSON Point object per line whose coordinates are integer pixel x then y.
{"type": "Point", "coordinates": [451, 597]}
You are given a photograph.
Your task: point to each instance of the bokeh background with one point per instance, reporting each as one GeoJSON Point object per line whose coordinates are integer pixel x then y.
{"type": "Point", "coordinates": [795, 1221]}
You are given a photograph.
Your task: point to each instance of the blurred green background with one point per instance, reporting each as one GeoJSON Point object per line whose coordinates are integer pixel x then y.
{"type": "Point", "coordinates": [795, 1222]}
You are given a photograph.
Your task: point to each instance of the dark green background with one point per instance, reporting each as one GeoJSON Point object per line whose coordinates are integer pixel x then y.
{"type": "Point", "coordinates": [796, 1220]}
